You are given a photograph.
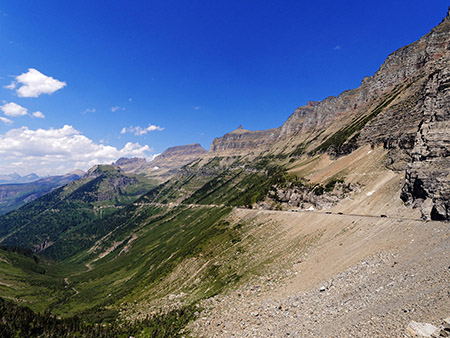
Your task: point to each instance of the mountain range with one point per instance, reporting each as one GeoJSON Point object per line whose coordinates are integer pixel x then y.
{"type": "Point", "coordinates": [16, 178]}
{"type": "Point", "coordinates": [14, 195]}
{"type": "Point", "coordinates": [333, 224]}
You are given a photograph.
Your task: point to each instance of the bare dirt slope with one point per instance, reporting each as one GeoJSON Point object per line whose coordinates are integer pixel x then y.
{"type": "Point", "coordinates": [355, 274]}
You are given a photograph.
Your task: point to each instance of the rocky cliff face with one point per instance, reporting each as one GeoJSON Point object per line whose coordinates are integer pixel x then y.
{"type": "Point", "coordinates": [243, 140]}
{"type": "Point", "coordinates": [176, 157]}
{"type": "Point", "coordinates": [427, 183]}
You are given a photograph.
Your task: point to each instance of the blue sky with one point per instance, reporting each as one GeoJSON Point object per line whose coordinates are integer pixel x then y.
{"type": "Point", "coordinates": [131, 78]}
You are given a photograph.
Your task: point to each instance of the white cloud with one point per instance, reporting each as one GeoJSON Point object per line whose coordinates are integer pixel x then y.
{"type": "Point", "coordinates": [89, 110]}
{"type": "Point", "coordinates": [116, 108]}
{"type": "Point", "coordinates": [57, 151]}
{"type": "Point", "coordinates": [338, 47]}
{"type": "Point", "coordinates": [11, 86]}
{"type": "Point", "coordinates": [13, 109]}
{"type": "Point", "coordinates": [197, 108]}
{"type": "Point", "coordinates": [38, 114]}
{"type": "Point", "coordinates": [139, 131]}
{"type": "Point", "coordinates": [34, 83]}
{"type": "Point", "coordinates": [5, 120]}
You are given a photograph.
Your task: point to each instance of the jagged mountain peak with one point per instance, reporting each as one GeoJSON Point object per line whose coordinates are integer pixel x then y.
{"type": "Point", "coordinates": [409, 63]}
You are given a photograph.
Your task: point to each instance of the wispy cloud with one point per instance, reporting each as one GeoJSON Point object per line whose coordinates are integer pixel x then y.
{"type": "Point", "coordinates": [116, 108]}
{"type": "Point", "coordinates": [88, 110]}
{"type": "Point", "coordinates": [34, 83]}
{"type": "Point", "coordinates": [5, 120]}
{"type": "Point", "coordinates": [139, 131]}
{"type": "Point", "coordinates": [338, 47]}
{"type": "Point", "coordinates": [11, 86]}
{"type": "Point", "coordinates": [197, 108]}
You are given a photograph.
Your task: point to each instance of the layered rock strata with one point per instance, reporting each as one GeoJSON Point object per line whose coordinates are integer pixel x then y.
{"type": "Point", "coordinates": [244, 140]}
{"type": "Point", "coordinates": [176, 157]}
{"type": "Point", "coordinates": [427, 180]}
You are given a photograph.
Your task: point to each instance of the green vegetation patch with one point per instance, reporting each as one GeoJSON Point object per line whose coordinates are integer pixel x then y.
{"type": "Point", "coordinates": [20, 321]}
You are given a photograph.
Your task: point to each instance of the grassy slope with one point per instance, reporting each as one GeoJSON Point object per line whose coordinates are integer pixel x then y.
{"type": "Point", "coordinates": [127, 272]}
{"type": "Point", "coordinates": [32, 281]}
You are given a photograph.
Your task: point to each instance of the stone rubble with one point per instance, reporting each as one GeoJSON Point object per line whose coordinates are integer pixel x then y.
{"type": "Point", "coordinates": [376, 298]}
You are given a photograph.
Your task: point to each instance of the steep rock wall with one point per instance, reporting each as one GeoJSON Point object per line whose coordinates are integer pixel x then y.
{"type": "Point", "coordinates": [427, 179]}
{"type": "Point", "coordinates": [175, 157]}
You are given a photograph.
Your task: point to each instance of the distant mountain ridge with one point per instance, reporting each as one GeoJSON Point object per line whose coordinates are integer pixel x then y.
{"type": "Point", "coordinates": [16, 178]}
{"type": "Point", "coordinates": [13, 196]}
{"type": "Point", "coordinates": [165, 165]}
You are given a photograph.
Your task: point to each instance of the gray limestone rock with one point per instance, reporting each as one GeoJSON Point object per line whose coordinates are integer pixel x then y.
{"type": "Point", "coordinates": [427, 179]}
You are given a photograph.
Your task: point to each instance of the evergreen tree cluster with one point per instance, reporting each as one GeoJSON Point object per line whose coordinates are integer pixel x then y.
{"type": "Point", "coordinates": [20, 321]}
